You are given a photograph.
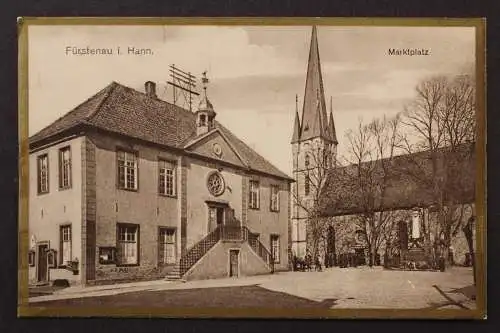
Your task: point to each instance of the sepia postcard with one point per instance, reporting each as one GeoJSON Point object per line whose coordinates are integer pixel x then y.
{"type": "Point", "coordinates": [252, 167]}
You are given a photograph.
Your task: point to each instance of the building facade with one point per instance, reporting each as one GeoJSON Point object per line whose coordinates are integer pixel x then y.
{"type": "Point", "coordinates": [127, 186]}
{"type": "Point", "coordinates": [314, 148]}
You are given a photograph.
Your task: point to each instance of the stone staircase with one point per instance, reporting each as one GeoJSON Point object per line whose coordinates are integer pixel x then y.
{"type": "Point", "coordinates": [225, 233]}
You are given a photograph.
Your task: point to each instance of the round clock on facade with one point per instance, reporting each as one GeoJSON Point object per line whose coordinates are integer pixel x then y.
{"type": "Point", "coordinates": [215, 184]}
{"type": "Point", "coordinates": [217, 149]}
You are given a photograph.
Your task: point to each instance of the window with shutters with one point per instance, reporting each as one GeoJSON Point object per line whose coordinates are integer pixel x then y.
{"type": "Point", "coordinates": [275, 198]}
{"type": "Point", "coordinates": [166, 181]}
{"type": "Point", "coordinates": [167, 246]}
{"type": "Point", "coordinates": [128, 244]}
{"type": "Point", "coordinates": [65, 168]}
{"type": "Point", "coordinates": [43, 173]}
{"type": "Point", "coordinates": [65, 245]}
{"type": "Point", "coordinates": [275, 248]}
{"type": "Point", "coordinates": [254, 200]}
{"type": "Point", "coordinates": [127, 170]}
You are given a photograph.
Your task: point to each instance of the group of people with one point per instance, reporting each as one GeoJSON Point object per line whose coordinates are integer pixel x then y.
{"type": "Point", "coordinates": [306, 264]}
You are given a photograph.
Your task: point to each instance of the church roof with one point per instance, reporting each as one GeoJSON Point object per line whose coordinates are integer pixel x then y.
{"type": "Point", "coordinates": [314, 117]}
{"type": "Point", "coordinates": [296, 128]}
{"type": "Point", "coordinates": [126, 111]}
{"type": "Point", "coordinates": [331, 126]}
{"type": "Point", "coordinates": [409, 183]}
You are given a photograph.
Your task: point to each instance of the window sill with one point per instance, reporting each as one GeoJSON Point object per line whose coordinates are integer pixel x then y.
{"type": "Point", "coordinates": [127, 265]}
{"type": "Point", "coordinates": [107, 263]}
{"type": "Point", "coordinates": [166, 265]}
{"type": "Point", "coordinates": [274, 210]}
{"type": "Point", "coordinates": [173, 196]}
{"type": "Point", "coordinates": [43, 193]}
{"type": "Point", "coordinates": [128, 189]}
{"type": "Point", "coordinates": [254, 208]}
{"type": "Point", "coordinates": [65, 188]}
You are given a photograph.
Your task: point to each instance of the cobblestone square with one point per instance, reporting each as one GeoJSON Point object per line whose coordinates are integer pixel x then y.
{"type": "Point", "coordinates": [336, 288]}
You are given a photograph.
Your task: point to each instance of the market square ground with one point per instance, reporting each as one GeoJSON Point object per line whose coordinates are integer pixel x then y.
{"type": "Point", "coordinates": [335, 288]}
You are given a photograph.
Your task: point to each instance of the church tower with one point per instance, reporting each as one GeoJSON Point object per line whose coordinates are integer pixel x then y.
{"type": "Point", "coordinates": [314, 148]}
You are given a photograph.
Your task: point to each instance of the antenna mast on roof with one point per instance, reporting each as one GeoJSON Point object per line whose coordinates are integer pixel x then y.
{"type": "Point", "coordinates": [183, 85]}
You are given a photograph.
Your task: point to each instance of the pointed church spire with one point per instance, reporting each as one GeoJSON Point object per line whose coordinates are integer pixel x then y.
{"type": "Point", "coordinates": [314, 117]}
{"type": "Point", "coordinates": [296, 125]}
{"type": "Point", "coordinates": [331, 124]}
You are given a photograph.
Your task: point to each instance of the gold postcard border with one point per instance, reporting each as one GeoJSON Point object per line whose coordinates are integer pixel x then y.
{"type": "Point", "coordinates": [26, 310]}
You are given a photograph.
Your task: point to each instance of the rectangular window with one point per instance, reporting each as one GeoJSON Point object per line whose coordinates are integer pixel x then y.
{"type": "Point", "coordinates": [128, 244]}
{"type": "Point", "coordinates": [254, 200]}
{"type": "Point", "coordinates": [107, 255]}
{"type": "Point", "coordinates": [31, 258]}
{"type": "Point", "coordinates": [65, 244]}
{"type": "Point", "coordinates": [166, 181]}
{"type": "Point", "coordinates": [167, 249]}
{"type": "Point", "coordinates": [275, 248]}
{"type": "Point", "coordinates": [307, 185]}
{"type": "Point", "coordinates": [275, 198]}
{"type": "Point", "coordinates": [65, 168]}
{"type": "Point", "coordinates": [127, 170]}
{"type": "Point", "coordinates": [43, 174]}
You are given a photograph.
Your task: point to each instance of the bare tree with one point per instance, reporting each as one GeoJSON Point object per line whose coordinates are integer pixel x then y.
{"type": "Point", "coordinates": [441, 122]}
{"type": "Point", "coordinates": [371, 148]}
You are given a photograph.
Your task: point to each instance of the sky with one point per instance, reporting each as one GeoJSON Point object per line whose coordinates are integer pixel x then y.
{"type": "Point", "coordinates": [254, 71]}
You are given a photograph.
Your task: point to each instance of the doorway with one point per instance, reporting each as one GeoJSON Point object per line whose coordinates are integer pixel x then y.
{"type": "Point", "coordinates": [42, 264]}
{"type": "Point", "coordinates": [216, 216]}
{"type": "Point", "coordinates": [234, 265]}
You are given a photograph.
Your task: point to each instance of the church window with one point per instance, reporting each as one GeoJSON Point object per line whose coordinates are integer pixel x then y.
{"type": "Point", "coordinates": [215, 184]}
{"type": "Point", "coordinates": [307, 185]}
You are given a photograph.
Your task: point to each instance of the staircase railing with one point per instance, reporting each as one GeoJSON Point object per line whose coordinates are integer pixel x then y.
{"type": "Point", "coordinates": [227, 233]}
{"type": "Point", "coordinates": [258, 247]}
{"type": "Point", "coordinates": [199, 250]}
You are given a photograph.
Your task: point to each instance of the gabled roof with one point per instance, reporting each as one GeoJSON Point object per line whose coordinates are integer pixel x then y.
{"type": "Point", "coordinates": [126, 111]}
{"type": "Point", "coordinates": [409, 182]}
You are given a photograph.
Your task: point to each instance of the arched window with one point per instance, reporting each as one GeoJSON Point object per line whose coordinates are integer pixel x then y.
{"type": "Point", "coordinates": [307, 161]}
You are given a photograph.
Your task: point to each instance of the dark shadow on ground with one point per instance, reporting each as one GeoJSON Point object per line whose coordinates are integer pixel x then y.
{"type": "Point", "coordinates": [446, 302]}
{"type": "Point", "coordinates": [226, 297]}
{"type": "Point", "coordinates": [468, 291]}
{"type": "Point", "coordinates": [43, 290]}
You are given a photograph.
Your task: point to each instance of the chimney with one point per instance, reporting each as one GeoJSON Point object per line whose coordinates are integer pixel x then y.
{"type": "Point", "coordinates": [150, 88]}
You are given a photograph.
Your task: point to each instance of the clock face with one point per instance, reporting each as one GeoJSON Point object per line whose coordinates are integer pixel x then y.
{"type": "Point", "coordinates": [217, 149]}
